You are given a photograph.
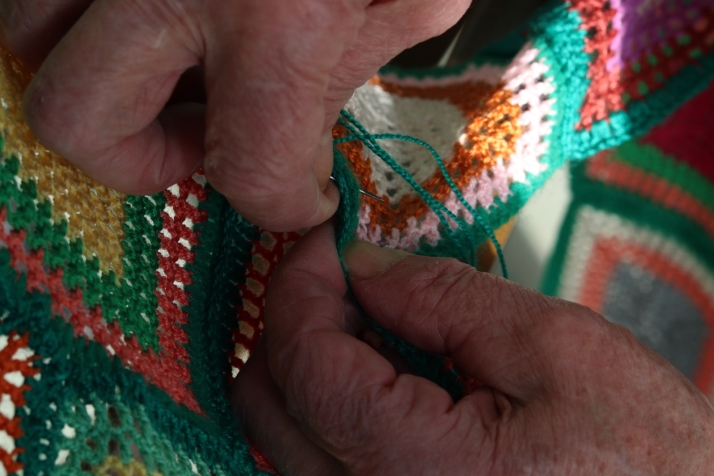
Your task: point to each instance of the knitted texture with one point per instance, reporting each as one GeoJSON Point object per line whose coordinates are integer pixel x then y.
{"type": "Point", "coordinates": [124, 319]}
{"type": "Point", "coordinates": [638, 242]}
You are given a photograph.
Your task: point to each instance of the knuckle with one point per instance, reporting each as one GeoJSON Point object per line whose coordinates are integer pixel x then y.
{"type": "Point", "coordinates": [42, 114]}
{"type": "Point", "coordinates": [582, 336]}
{"type": "Point", "coordinates": [181, 17]}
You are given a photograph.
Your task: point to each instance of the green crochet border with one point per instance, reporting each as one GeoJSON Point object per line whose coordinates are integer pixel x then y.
{"type": "Point", "coordinates": [144, 212]}
{"type": "Point", "coordinates": [631, 206]}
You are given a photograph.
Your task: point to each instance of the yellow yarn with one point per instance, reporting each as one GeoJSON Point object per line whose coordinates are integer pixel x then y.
{"type": "Point", "coordinates": [113, 466]}
{"type": "Point", "coordinates": [94, 213]}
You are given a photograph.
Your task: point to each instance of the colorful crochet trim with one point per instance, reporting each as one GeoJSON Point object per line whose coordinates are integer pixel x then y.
{"type": "Point", "coordinates": [595, 75]}
{"type": "Point", "coordinates": [123, 319]}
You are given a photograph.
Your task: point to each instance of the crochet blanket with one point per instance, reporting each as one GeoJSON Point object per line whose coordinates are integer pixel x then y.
{"type": "Point", "coordinates": [123, 319]}
{"type": "Point", "coordinates": [637, 245]}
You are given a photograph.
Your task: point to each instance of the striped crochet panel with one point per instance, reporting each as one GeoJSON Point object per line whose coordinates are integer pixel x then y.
{"type": "Point", "coordinates": [97, 294]}
{"type": "Point", "coordinates": [113, 265]}
{"type": "Point", "coordinates": [638, 242]}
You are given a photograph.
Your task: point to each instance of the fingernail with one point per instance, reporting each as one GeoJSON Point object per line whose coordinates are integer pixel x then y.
{"type": "Point", "coordinates": [365, 260]}
{"type": "Point", "coordinates": [330, 201]}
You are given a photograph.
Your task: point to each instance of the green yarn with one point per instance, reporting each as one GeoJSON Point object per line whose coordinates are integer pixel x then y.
{"type": "Point", "coordinates": [116, 428]}
{"type": "Point", "coordinates": [424, 364]}
{"type": "Point", "coordinates": [476, 215]}
{"type": "Point", "coordinates": [127, 304]}
{"type": "Point", "coordinates": [141, 244]}
{"type": "Point", "coordinates": [467, 250]}
{"type": "Point", "coordinates": [650, 159]}
{"type": "Point", "coordinates": [347, 218]}
{"type": "Point", "coordinates": [80, 372]}
{"type": "Point", "coordinates": [217, 270]}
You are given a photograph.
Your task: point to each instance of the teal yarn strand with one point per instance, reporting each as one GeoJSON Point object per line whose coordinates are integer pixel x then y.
{"type": "Point", "coordinates": [476, 215]}
{"type": "Point", "coordinates": [439, 209]}
{"type": "Point", "coordinates": [370, 140]}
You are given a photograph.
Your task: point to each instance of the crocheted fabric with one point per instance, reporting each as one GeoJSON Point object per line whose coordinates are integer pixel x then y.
{"type": "Point", "coordinates": [123, 319]}
{"type": "Point", "coordinates": [638, 242]}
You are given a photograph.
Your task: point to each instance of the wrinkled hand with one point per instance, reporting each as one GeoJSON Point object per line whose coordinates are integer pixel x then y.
{"type": "Point", "coordinates": [277, 72]}
{"type": "Point", "coordinates": [566, 392]}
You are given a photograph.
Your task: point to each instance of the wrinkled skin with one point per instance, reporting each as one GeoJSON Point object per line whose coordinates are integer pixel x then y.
{"type": "Point", "coordinates": [277, 73]}
{"type": "Point", "coordinates": [566, 392]}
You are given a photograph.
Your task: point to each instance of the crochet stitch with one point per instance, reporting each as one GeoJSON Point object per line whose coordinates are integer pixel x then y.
{"type": "Point", "coordinates": [124, 319]}
{"type": "Point", "coordinates": [638, 242]}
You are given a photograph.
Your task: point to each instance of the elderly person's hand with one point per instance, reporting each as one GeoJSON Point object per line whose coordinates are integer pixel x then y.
{"type": "Point", "coordinates": [277, 73]}
{"type": "Point", "coordinates": [565, 392]}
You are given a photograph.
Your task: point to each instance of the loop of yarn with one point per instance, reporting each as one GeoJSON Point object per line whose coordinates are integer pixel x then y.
{"type": "Point", "coordinates": [465, 242]}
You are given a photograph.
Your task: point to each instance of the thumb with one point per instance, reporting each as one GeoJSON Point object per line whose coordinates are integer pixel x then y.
{"type": "Point", "coordinates": [498, 332]}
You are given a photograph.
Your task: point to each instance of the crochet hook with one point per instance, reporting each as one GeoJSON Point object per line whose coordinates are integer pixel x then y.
{"type": "Point", "coordinates": [363, 192]}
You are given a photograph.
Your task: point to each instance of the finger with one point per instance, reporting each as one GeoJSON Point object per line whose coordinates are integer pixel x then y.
{"type": "Point", "coordinates": [510, 338]}
{"type": "Point", "coordinates": [31, 28]}
{"type": "Point", "coordinates": [301, 104]}
{"type": "Point", "coordinates": [390, 27]}
{"type": "Point", "coordinates": [409, 21]}
{"type": "Point", "coordinates": [257, 402]}
{"type": "Point", "coordinates": [345, 396]}
{"type": "Point", "coordinates": [98, 99]}
{"type": "Point", "coordinates": [269, 142]}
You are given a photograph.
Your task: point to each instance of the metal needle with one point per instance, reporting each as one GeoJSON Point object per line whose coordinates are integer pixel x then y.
{"type": "Point", "coordinates": [363, 192]}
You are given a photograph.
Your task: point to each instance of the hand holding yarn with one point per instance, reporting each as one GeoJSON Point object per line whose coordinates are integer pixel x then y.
{"type": "Point", "coordinates": [277, 73]}
{"type": "Point", "coordinates": [565, 391]}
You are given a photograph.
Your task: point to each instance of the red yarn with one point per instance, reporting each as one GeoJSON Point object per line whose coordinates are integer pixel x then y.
{"type": "Point", "coordinates": [174, 237]}
{"type": "Point", "coordinates": [608, 87]}
{"type": "Point", "coordinates": [17, 395]}
{"type": "Point", "coordinates": [261, 462]}
{"type": "Point", "coordinates": [605, 92]}
{"type": "Point", "coordinates": [166, 372]}
{"type": "Point", "coordinates": [655, 188]}
{"type": "Point", "coordinates": [693, 120]}
{"type": "Point", "coordinates": [268, 250]}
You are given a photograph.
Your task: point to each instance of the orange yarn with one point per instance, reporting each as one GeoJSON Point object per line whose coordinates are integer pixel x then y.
{"type": "Point", "coordinates": [114, 466]}
{"type": "Point", "coordinates": [490, 134]}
